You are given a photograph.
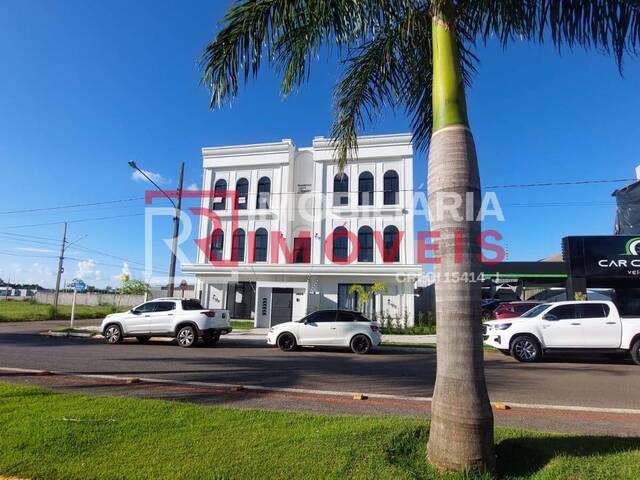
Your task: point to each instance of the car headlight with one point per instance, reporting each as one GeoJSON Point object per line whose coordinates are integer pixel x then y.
{"type": "Point", "coordinates": [271, 330]}
{"type": "Point", "coordinates": [502, 326]}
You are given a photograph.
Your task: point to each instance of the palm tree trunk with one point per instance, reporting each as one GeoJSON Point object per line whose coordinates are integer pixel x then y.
{"type": "Point", "coordinates": [461, 434]}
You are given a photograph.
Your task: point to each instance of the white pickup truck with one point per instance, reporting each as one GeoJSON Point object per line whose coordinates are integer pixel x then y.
{"type": "Point", "coordinates": [185, 320]}
{"type": "Point", "coordinates": [591, 326]}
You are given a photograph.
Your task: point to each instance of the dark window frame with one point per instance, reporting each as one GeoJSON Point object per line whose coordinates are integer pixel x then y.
{"type": "Point", "coordinates": [391, 187]}
{"type": "Point", "coordinates": [238, 242]}
{"type": "Point", "coordinates": [263, 197]}
{"type": "Point", "coordinates": [366, 187]}
{"type": "Point", "coordinates": [365, 252]}
{"type": "Point", "coordinates": [220, 190]}
{"type": "Point", "coordinates": [261, 236]}
{"type": "Point", "coordinates": [341, 190]}
{"type": "Point", "coordinates": [391, 236]}
{"type": "Point", "coordinates": [217, 245]}
{"type": "Point", "coordinates": [340, 243]}
{"type": "Point", "coordinates": [242, 190]}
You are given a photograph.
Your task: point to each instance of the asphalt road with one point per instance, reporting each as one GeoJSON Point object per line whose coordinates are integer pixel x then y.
{"type": "Point", "coordinates": [592, 382]}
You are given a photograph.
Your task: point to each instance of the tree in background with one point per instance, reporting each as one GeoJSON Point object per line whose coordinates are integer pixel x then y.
{"type": "Point", "coordinates": [132, 287]}
{"type": "Point", "coordinates": [417, 56]}
{"type": "Point", "coordinates": [366, 295]}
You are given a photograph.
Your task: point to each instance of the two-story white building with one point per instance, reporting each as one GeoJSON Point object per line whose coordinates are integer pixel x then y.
{"type": "Point", "coordinates": [289, 234]}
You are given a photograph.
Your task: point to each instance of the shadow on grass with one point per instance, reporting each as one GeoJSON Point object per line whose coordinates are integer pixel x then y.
{"type": "Point", "coordinates": [526, 456]}
{"type": "Point", "coordinates": [520, 457]}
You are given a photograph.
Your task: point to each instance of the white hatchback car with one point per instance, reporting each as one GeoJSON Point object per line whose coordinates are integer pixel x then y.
{"type": "Point", "coordinates": [327, 328]}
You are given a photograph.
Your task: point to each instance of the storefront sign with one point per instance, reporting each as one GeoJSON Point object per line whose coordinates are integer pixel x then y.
{"type": "Point", "coordinates": [614, 256]}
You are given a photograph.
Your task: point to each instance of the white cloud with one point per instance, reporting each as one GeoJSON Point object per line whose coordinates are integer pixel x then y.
{"type": "Point", "coordinates": [34, 250]}
{"type": "Point", "coordinates": [86, 271]}
{"type": "Point", "coordinates": [126, 271]}
{"type": "Point", "coordinates": [192, 186]}
{"type": "Point", "coordinates": [156, 177]}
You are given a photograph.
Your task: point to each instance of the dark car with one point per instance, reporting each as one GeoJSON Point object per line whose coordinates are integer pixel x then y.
{"type": "Point", "coordinates": [488, 306]}
{"type": "Point", "coordinates": [512, 309]}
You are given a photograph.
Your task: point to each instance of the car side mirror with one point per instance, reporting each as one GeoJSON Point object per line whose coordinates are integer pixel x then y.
{"type": "Point", "coordinates": [550, 317]}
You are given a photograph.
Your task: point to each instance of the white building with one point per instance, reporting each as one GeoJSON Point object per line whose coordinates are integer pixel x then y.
{"type": "Point", "coordinates": [272, 197]}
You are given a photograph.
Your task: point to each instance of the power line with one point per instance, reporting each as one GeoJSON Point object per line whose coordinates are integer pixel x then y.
{"type": "Point", "coordinates": [76, 205]}
{"type": "Point", "coordinates": [75, 221]}
{"type": "Point", "coordinates": [554, 184]}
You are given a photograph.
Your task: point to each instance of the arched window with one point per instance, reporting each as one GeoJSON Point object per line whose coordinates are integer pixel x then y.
{"type": "Point", "coordinates": [391, 244]}
{"type": "Point", "coordinates": [242, 194]}
{"type": "Point", "coordinates": [365, 189]}
{"type": "Point", "coordinates": [237, 245]}
{"type": "Point", "coordinates": [262, 243]}
{"type": "Point", "coordinates": [391, 187]}
{"type": "Point", "coordinates": [365, 244]}
{"type": "Point", "coordinates": [220, 195]}
{"type": "Point", "coordinates": [264, 193]}
{"type": "Point", "coordinates": [340, 189]}
{"type": "Point", "coordinates": [217, 245]}
{"type": "Point", "coordinates": [340, 244]}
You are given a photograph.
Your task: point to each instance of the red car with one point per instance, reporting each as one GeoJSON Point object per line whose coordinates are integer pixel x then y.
{"type": "Point", "coordinates": [512, 309]}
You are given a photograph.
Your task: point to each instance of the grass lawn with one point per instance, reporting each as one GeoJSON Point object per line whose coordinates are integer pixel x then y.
{"type": "Point", "coordinates": [62, 436]}
{"type": "Point", "coordinates": [414, 330]}
{"type": "Point", "coordinates": [241, 325]}
{"type": "Point", "coordinates": [23, 311]}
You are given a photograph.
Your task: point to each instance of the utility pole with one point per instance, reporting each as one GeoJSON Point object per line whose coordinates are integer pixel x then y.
{"type": "Point", "coordinates": [60, 267]}
{"type": "Point", "coordinates": [176, 220]}
{"type": "Point", "coordinates": [176, 227]}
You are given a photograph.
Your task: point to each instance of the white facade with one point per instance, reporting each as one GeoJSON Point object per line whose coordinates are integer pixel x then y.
{"type": "Point", "coordinates": [302, 202]}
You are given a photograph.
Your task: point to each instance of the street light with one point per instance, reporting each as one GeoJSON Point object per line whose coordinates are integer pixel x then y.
{"type": "Point", "coordinates": [176, 221]}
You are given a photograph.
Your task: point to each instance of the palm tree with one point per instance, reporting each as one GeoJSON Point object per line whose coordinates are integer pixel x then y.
{"type": "Point", "coordinates": [417, 55]}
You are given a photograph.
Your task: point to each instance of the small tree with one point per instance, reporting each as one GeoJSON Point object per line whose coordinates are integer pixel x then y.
{"type": "Point", "coordinates": [132, 287]}
{"type": "Point", "coordinates": [364, 295]}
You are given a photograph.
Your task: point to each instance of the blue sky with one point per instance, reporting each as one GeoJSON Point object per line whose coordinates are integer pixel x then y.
{"type": "Point", "coordinates": [88, 86]}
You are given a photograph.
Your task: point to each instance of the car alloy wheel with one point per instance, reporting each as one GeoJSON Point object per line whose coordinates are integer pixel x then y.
{"type": "Point", "coordinates": [113, 334]}
{"type": "Point", "coordinates": [360, 344]}
{"type": "Point", "coordinates": [186, 337]}
{"type": "Point", "coordinates": [525, 349]}
{"type": "Point", "coordinates": [286, 342]}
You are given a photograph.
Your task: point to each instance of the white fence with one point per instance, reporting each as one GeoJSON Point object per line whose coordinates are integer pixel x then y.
{"type": "Point", "coordinates": [65, 298]}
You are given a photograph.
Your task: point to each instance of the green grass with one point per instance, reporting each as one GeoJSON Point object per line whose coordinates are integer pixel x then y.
{"type": "Point", "coordinates": [242, 325]}
{"type": "Point", "coordinates": [124, 438]}
{"type": "Point", "coordinates": [24, 311]}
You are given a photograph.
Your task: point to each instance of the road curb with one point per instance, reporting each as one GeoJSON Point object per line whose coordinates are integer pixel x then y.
{"type": "Point", "coordinates": [327, 393]}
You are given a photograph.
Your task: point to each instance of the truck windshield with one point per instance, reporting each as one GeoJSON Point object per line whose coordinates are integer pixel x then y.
{"type": "Point", "coordinates": [535, 311]}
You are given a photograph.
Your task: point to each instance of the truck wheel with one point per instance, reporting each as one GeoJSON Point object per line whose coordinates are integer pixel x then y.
{"type": "Point", "coordinates": [211, 339]}
{"type": "Point", "coordinates": [113, 334]}
{"type": "Point", "coordinates": [187, 336]}
{"type": "Point", "coordinates": [525, 348]}
{"type": "Point", "coordinates": [635, 351]}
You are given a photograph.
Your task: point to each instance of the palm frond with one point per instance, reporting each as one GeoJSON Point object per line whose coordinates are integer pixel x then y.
{"type": "Point", "coordinates": [609, 25]}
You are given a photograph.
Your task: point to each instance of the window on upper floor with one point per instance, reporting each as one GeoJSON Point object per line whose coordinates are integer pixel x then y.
{"type": "Point", "coordinates": [340, 245]}
{"type": "Point", "coordinates": [220, 195]}
{"type": "Point", "coordinates": [302, 250]}
{"type": "Point", "coordinates": [242, 194]}
{"type": "Point", "coordinates": [391, 187]}
{"type": "Point", "coordinates": [365, 189]}
{"type": "Point", "coordinates": [340, 190]}
{"type": "Point", "coordinates": [217, 245]}
{"type": "Point", "coordinates": [365, 244]}
{"type": "Point", "coordinates": [237, 245]}
{"type": "Point", "coordinates": [264, 193]}
{"type": "Point", "coordinates": [261, 246]}
{"type": "Point", "coordinates": [391, 244]}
